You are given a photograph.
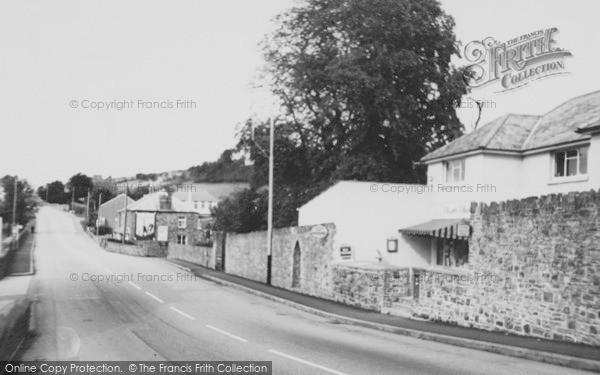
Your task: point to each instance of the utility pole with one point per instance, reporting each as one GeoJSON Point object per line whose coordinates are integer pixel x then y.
{"type": "Point", "coordinates": [270, 208]}
{"type": "Point", "coordinates": [14, 215]}
{"type": "Point", "coordinates": [98, 216]}
{"type": "Point", "coordinates": [87, 207]}
{"type": "Point", "coordinates": [125, 215]}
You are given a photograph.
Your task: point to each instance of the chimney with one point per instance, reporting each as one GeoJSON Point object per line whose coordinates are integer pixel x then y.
{"type": "Point", "coordinates": [165, 202]}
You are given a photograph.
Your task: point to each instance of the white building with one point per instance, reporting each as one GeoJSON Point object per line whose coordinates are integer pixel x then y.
{"type": "Point", "coordinates": [514, 156]}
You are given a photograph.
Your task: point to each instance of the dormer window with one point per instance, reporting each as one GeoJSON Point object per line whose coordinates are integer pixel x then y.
{"type": "Point", "coordinates": [455, 171]}
{"type": "Point", "coordinates": [572, 162]}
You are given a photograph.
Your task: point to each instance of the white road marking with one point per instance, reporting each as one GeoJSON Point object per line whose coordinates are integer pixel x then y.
{"type": "Point", "coordinates": [155, 297]}
{"type": "Point", "coordinates": [306, 362]}
{"type": "Point", "coordinates": [135, 285]}
{"type": "Point", "coordinates": [182, 313]}
{"type": "Point", "coordinates": [226, 333]}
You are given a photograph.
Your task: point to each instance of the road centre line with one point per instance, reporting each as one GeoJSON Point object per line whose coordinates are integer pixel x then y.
{"type": "Point", "coordinates": [182, 313]}
{"type": "Point", "coordinates": [306, 362]}
{"type": "Point", "coordinates": [155, 297]}
{"type": "Point", "coordinates": [135, 285]}
{"type": "Point", "coordinates": [226, 333]}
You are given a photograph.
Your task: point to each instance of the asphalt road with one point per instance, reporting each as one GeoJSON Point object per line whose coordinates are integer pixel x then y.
{"type": "Point", "coordinates": [158, 312]}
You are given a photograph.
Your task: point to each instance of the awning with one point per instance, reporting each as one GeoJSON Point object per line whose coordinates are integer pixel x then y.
{"type": "Point", "coordinates": [442, 228]}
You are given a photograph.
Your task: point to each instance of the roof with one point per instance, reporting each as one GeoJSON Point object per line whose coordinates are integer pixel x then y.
{"type": "Point", "coordinates": [564, 124]}
{"type": "Point", "coordinates": [216, 191]}
{"type": "Point", "coordinates": [195, 195]}
{"type": "Point", "coordinates": [590, 128]}
{"type": "Point", "coordinates": [117, 198]}
{"type": "Point", "coordinates": [151, 202]}
{"type": "Point", "coordinates": [445, 228]}
{"type": "Point", "coordinates": [508, 132]}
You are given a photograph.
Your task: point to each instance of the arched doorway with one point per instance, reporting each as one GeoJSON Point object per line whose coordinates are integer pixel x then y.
{"type": "Point", "coordinates": [296, 270]}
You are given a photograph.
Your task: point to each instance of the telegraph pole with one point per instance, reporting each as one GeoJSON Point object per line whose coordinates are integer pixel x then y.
{"type": "Point", "coordinates": [87, 207]}
{"type": "Point", "coordinates": [270, 207]}
{"type": "Point", "coordinates": [14, 214]}
{"type": "Point", "coordinates": [125, 215]}
{"type": "Point", "coordinates": [98, 215]}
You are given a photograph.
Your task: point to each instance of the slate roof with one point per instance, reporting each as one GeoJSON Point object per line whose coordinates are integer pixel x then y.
{"type": "Point", "coordinates": [563, 124]}
{"type": "Point", "coordinates": [195, 195]}
{"type": "Point", "coordinates": [508, 132]}
{"type": "Point", "coordinates": [151, 202]}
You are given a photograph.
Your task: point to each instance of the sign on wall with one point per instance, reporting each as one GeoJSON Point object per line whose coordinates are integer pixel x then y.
{"type": "Point", "coordinates": [319, 231]}
{"type": "Point", "coordinates": [144, 224]}
{"type": "Point", "coordinates": [162, 233]}
{"type": "Point", "coordinates": [346, 252]}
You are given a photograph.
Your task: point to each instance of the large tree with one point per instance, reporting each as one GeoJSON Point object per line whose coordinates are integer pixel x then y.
{"type": "Point", "coordinates": [366, 89]}
{"type": "Point", "coordinates": [80, 185]}
{"type": "Point", "coordinates": [54, 191]}
{"type": "Point", "coordinates": [368, 84]}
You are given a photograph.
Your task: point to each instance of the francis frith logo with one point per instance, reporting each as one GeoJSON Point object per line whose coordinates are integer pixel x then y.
{"type": "Point", "coordinates": [514, 63]}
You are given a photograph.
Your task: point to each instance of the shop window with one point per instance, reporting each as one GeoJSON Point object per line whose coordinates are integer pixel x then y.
{"type": "Point", "coordinates": [452, 253]}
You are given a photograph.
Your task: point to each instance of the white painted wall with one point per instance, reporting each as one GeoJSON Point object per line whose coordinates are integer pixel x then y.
{"type": "Point", "coordinates": [513, 177]}
{"type": "Point", "coordinates": [365, 219]}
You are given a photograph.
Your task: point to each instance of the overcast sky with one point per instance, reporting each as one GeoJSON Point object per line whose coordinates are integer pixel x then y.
{"type": "Point", "coordinates": [63, 54]}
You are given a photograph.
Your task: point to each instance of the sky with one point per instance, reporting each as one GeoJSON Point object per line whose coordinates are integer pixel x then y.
{"type": "Point", "coordinates": [61, 60]}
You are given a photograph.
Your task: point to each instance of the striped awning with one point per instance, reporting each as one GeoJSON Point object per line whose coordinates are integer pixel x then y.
{"type": "Point", "coordinates": [442, 228]}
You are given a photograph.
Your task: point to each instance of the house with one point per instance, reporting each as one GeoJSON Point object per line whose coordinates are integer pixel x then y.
{"type": "Point", "coordinates": [203, 197]}
{"type": "Point", "coordinates": [160, 217]}
{"type": "Point", "coordinates": [514, 156]}
{"type": "Point", "coordinates": [107, 213]}
{"type": "Point", "coordinates": [367, 217]}
{"type": "Point", "coordinates": [200, 201]}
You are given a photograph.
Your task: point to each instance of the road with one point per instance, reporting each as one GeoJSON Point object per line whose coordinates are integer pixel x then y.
{"type": "Point", "coordinates": [163, 313]}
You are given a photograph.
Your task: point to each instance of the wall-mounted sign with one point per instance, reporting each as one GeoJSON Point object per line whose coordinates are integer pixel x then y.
{"type": "Point", "coordinates": [319, 231]}
{"type": "Point", "coordinates": [162, 233]}
{"type": "Point", "coordinates": [144, 224]}
{"type": "Point", "coordinates": [463, 230]}
{"type": "Point", "coordinates": [392, 245]}
{"type": "Point", "coordinates": [346, 252]}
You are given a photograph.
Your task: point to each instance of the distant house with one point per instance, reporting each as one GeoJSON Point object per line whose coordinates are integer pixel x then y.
{"type": "Point", "coordinates": [199, 201]}
{"type": "Point", "coordinates": [160, 217]}
{"type": "Point", "coordinates": [107, 214]}
{"type": "Point", "coordinates": [202, 197]}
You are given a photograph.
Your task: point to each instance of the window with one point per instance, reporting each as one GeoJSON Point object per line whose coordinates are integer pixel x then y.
{"type": "Point", "coordinates": [455, 171]}
{"type": "Point", "coordinates": [195, 204]}
{"type": "Point", "coordinates": [181, 222]}
{"type": "Point", "coordinates": [571, 162]}
{"type": "Point", "coordinates": [181, 239]}
{"type": "Point", "coordinates": [203, 204]}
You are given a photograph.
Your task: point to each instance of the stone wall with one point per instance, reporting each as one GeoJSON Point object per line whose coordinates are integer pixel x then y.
{"type": "Point", "coordinates": [369, 286]}
{"type": "Point", "coordinates": [534, 269]}
{"type": "Point", "coordinates": [296, 247]}
{"type": "Point", "coordinates": [246, 256]}
{"type": "Point", "coordinates": [142, 249]}
{"type": "Point", "coordinates": [202, 255]}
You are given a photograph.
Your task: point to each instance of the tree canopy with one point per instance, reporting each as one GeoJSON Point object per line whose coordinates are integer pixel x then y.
{"type": "Point", "coordinates": [366, 90]}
